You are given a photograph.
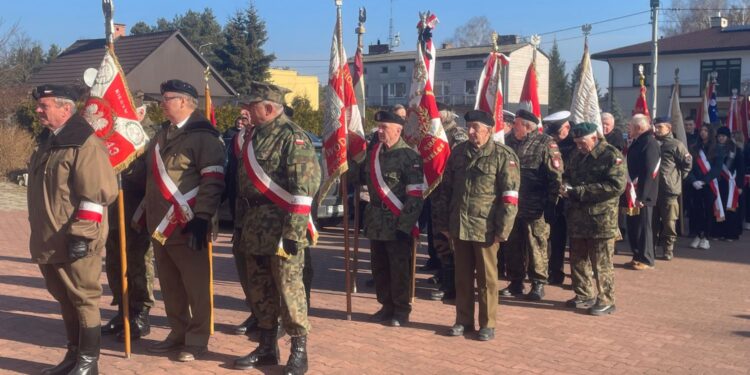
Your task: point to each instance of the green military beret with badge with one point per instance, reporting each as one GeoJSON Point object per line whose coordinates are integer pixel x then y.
{"type": "Point", "coordinates": [56, 91]}
{"type": "Point", "coordinates": [583, 129]}
{"type": "Point", "coordinates": [483, 117]}
{"type": "Point", "coordinates": [260, 91]}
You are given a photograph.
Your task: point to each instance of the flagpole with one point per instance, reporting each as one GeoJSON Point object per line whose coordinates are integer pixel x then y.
{"type": "Point", "coordinates": [343, 181]}
{"type": "Point", "coordinates": [108, 9]}
{"type": "Point", "coordinates": [210, 250]}
{"type": "Point", "coordinates": [360, 30]}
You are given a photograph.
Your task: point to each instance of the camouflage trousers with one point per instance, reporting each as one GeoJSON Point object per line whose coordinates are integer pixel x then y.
{"type": "Point", "coordinates": [591, 258]}
{"type": "Point", "coordinates": [665, 221]}
{"type": "Point", "coordinates": [140, 256]}
{"type": "Point", "coordinates": [276, 289]}
{"type": "Point", "coordinates": [526, 250]}
{"type": "Point", "coordinates": [391, 269]}
{"type": "Point", "coordinates": [481, 258]}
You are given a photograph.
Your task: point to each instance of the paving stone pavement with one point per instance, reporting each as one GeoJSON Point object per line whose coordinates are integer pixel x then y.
{"type": "Point", "coordinates": [687, 316]}
{"type": "Point", "coordinates": [12, 196]}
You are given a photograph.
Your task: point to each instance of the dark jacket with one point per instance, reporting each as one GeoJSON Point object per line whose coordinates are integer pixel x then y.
{"type": "Point", "coordinates": [616, 139]}
{"type": "Point", "coordinates": [643, 164]}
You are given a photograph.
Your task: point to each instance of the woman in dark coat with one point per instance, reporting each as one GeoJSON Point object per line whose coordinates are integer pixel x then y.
{"type": "Point", "coordinates": [701, 196]}
{"type": "Point", "coordinates": [730, 185]}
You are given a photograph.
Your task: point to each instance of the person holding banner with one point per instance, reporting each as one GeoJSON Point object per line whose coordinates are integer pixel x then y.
{"type": "Point", "coordinates": [393, 174]}
{"type": "Point", "coordinates": [643, 160]}
{"type": "Point", "coordinates": [71, 183]}
{"type": "Point", "coordinates": [676, 163]}
{"type": "Point", "coordinates": [184, 174]}
{"type": "Point", "coordinates": [730, 185]}
{"type": "Point", "coordinates": [278, 176]}
{"type": "Point", "coordinates": [705, 203]}
{"type": "Point", "coordinates": [476, 208]}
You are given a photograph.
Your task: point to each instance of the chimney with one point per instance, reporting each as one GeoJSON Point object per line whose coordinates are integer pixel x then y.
{"type": "Point", "coordinates": [120, 30]}
{"type": "Point", "coordinates": [719, 22]}
{"type": "Point", "coordinates": [447, 45]}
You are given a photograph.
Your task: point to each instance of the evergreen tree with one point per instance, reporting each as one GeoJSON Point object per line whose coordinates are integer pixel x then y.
{"type": "Point", "coordinates": [306, 117]}
{"type": "Point", "coordinates": [241, 58]}
{"type": "Point", "coordinates": [52, 53]}
{"type": "Point", "coordinates": [559, 92]}
{"type": "Point", "coordinates": [141, 28]}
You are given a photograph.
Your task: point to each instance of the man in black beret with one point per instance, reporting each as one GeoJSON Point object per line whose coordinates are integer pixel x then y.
{"type": "Point", "coordinates": [475, 210]}
{"type": "Point", "coordinates": [594, 180]}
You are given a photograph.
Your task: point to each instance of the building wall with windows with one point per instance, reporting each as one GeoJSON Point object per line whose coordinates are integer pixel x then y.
{"type": "Point", "coordinates": [301, 85]}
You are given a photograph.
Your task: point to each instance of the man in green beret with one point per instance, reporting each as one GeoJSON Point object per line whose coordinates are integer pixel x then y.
{"type": "Point", "coordinates": [594, 179]}
{"type": "Point", "coordinates": [278, 176]}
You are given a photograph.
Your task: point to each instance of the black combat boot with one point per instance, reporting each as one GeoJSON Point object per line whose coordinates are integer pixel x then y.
{"type": "Point", "coordinates": [537, 292]}
{"type": "Point", "coordinates": [139, 324]}
{"type": "Point", "coordinates": [297, 363]}
{"type": "Point", "coordinates": [115, 325]}
{"type": "Point", "coordinates": [89, 342]}
{"type": "Point", "coordinates": [67, 363]}
{"type": "Point", "coordinates": [249, 325]}
{"type": "Point", "coordinates": [266, 354]}
{"type": "Point", "coordinates": [515, 288]}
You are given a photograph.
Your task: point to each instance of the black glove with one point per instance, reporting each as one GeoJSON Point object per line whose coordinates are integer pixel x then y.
{"type": "Point", "coordinates": [77, 247]}
{"type": "Point", "coordinates": [199, 229]}
{"type": "Point", "coordinates": [289, 246]}
{"type": "Point", "coordinates": [403, 236]}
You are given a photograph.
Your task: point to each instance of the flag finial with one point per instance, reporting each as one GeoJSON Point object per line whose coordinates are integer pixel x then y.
{"type": "Point", "coordinates": [494, 37]}
{"type": "Point", "coordinates": [676, 75]}
{"type": "Point", "coordinates": [642, 77]}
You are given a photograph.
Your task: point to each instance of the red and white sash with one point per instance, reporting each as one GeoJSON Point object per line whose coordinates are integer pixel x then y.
{"type": "Point", "coordinates": [294, 204]}
{"type": "Point", "coordinates": [239, 141]}
{"type": "Point", "coordinates": [705, 167]}
{"type": "Point", "coordinates": [385, 193]}
{"type": "Point", "coordinates": [733, 193]}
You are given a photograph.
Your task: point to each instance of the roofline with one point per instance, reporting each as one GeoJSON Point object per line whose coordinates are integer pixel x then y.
{"type": "Point", "coordinates": [607, 56]}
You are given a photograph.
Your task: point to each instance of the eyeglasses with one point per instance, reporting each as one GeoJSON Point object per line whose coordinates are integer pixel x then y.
{"type": "Point", "coordinates": [165, 99]}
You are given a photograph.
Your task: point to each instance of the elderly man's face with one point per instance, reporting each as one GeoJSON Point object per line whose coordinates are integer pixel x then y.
{"type": "Point", "coordinates": [608, 123]}
{"type": "Point", "coordinates": [259, 112]}
{"type": "Point", "coordinates": [389, 133]}
{"type": "Point", "coordinates": [586, 143]}
{"type": "Point", "coordinates": [52, 115]}
{"type": "Point", "coordinates": [564, 130]}
{"type": "Point", "coordinates": [479, 133]}
{"type": "Point", "coordinates": [520, 129]}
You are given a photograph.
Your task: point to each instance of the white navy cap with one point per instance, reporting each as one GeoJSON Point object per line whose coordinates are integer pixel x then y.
{"type": "Point", "coordinates": [557, 117]}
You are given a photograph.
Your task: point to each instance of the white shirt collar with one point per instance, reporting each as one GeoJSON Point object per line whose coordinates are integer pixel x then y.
{"type": "Point", "coordinates": [57, 131]}
{"type": "Point", "coordinates": [181, 123]}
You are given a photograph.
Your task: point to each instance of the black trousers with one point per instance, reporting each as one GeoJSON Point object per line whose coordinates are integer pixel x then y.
{"type": "Point", "coordinates": [641, 236]}
{"type": "Point", "coordinates": [558, 238]}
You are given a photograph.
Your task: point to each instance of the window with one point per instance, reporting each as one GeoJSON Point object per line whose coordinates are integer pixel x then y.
{"type": "Point", "coordinates": [383, 69]}
{"type": "Point", "coordinates": [728, 75]}
{"type": "Point", "coordinates": [471, 87]}
{"type": "Point", "coordinates": [474, 64]}
{"type": "Point", "coordinates": [397, 90]}
{"type": "Point", "coordinates": [446, 66]}
{"type": "Point", "coordinates": [401, 68]}
{"type": "Point", "coordinates": [442, 88]}
{"type": "Point", "coordinates": [637, 75]}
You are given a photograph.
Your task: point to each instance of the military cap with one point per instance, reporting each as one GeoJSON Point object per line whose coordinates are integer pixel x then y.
{"type": "Point", "coordinates": [526, 115]}
{"type": "Point", "coordinates": [390, 117]}
{"type": "Point", "coordinates": [724, 131]}
{"type": "Point", "coordinates": [663, 119]}
{"type": "Point", "coordinates": [476, 115]}
{"type": "Point", "coordinates": [176, 85]}
{"type": "Point", "coordinates": [583, 129]}
{"type": "Point", "coordinates": [260, 91]}
{"type": "Point", "coordinates": [508, 116]}
{"type": "Point", "coordinates": [56, 91]}
{"type": "Point", "coordinates": [554, 121]}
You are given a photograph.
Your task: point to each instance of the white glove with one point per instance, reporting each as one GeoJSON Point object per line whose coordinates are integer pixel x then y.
{"type": "Point", "coordinates": [698, 185]}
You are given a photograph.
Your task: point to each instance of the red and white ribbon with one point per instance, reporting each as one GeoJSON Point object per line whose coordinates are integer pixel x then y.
{"type": "Point", "coordinates": [630, 193]}
{"type": "Point", "coordinates": [213, 171]}
{"type": "Point", "coordinates": [705, 168]}
{"type": "Point", "coordinates": [655, 172]}
{"type": "Point", "coordinates": [510, 197]}
{"type": "Point", "coordinates": [171, 219]}
{"type": "Point", "coordinates": [239, 141]}
{"type": "Point", "coordinates": [90, 211]}
{"type": "Point", "coordinates": [384, 192]}
{"type": "Point", "coordinates": [183, 213]}
{"type": "Point", "coordinates": [733, 193]}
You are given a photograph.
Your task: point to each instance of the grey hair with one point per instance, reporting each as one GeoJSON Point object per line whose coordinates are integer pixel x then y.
{"type": "Point", "coordinates": [277, 107]}
{"type": "Point", "coordinates": [607, 115]}
{"type": "Point", "coordinates": [641, 121]}
{"type": "Point", "coordinates": [59, 102]}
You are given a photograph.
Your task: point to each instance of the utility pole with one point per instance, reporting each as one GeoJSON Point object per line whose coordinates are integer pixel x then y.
{"type": "Point", "coordinates": [654, 54]}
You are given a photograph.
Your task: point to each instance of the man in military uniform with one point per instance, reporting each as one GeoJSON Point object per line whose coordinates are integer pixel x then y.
{"type": "Point", "coordinates": [476, 208]}
{"type": "Point", "coordinates": [140, 255]}
{"type": "Point", "coordinates": [184, 174]}
{"type": "Point", "coordinates": [447, 290]}
{"type": "Point", "coordinates": [557, 126]}
{"type": "Point", "coordinates": [541, 175]}
{"type": "Point", "coordinates": [278, 174]}
{"type": "Point", "coordinates": [594, 180]}
{"type": "Point", "coordinates": [643, 169]}
{"type": "Point", "coordinates": [71, 182]}
{"type": "Point", "coordinates": [393, 173]}
{"type": "Point", "coordinates": [676, 163]}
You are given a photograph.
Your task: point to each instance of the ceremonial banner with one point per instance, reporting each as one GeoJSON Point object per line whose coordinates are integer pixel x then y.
{"type": "Point", "coordinates": [734, 117]}
{"type": "Point", "coordinates": [678, 125]}
{"type": "Point", "coordinates": [704, 110]}
{"type": "Point", "coordinates": [585, 106]}
{"type": "Point", "coordinates": [358, 79]}
{"type": "Point", "coordinates": [744, 113]}
{"type": "Point", "coordinates": [111, 112]}
{"type": "Point", "coordinates": [490, 94]}
{"type": "Point", "coordinates": [529, 94]}
{"type": "Point", "coordinates": [343, 133]}
{"type": "Point", "coordinates": [423, 128]}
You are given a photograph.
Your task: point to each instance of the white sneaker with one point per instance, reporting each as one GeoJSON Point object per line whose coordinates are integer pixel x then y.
{"type": "Point", "coordinates": [704, 244]}
{"type": "Point", "coordinates": [695, 243]}
{"type": "Point", "coordinates": [747, 226]}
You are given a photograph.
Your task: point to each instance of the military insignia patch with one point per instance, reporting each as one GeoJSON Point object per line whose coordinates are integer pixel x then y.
{"type": "Point", "coordinates": [512, 163]}
{"type": "Point", "coordinates": [299, 142]}
{"type": "Point", "coordinates": [556, 163]}
{"type": "Point", "coordinates": [553, 145]}
{"type": "Point", "coordinates": [618, 161]}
